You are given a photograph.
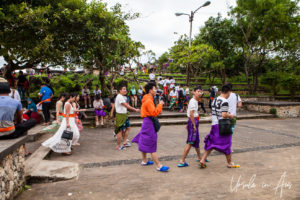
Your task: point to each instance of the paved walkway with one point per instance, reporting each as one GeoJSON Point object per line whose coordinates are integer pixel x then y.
{"type": "Point", "coordinates": [266, 150]}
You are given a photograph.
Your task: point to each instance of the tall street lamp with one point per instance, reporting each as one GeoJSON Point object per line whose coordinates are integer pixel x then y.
{"type": "Point", "coordinates": [191, 18]}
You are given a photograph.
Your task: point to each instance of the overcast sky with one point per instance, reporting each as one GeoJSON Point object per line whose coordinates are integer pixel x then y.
{"type": "Point", "coordinates": [158, 23]}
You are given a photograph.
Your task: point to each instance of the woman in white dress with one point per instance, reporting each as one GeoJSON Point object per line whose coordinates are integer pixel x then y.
{"type": "Point", "coordinates": [56, 143]}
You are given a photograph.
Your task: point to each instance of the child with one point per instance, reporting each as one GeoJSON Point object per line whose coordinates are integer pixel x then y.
{"type": "Point", "coordinates": [192, 127]}
{"type": "Point", "coordinates": [98, 105]}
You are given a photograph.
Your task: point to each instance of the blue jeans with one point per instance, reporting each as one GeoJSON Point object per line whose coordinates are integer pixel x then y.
{"type": "Point", "coordinates": [21, 90]}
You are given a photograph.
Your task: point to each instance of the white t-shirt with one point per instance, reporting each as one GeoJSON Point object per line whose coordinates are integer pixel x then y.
{"type": "Point", "coordinates": [173, 93]}
{"type": "Point", "coordinates": [193, 105]}
{"type": "Point", "coordinates": [85, 92]}
{"type": "Point", "coordinates": [162, 82]}
{"type": "Point", "coordinates": [176, 88]}
{"type": "Point", "coordinates": [152, 77]}
{"type": "Point", "coordinates": [96, 92]}
{"type": "Point", "coordinates": [98, 104]}
{"type": "Point", "coordinates": [15, 96]}
{"type": "Point", "coordinates": [166, 81]}
{"type": "Point", "coordinates": [140, 91]}
{"type": "Point", "coordinates": [218, 105]}
{"type": "Point", "coordinates": [233, 100]}
{"type": "Point", "coordinates": [118, 103]}
{"type": "Point", "coordinates": [187, 91]}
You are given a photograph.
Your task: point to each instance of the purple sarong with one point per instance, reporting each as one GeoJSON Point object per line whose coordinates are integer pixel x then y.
{"type": "Point", "coordinates": [99, 112]}
{"type": "Point", "coordinates": [193, 137]}
{"type": "Point", "coordinates": [147, 137]}
{"type": "Point", "coordinates": [214, 141]}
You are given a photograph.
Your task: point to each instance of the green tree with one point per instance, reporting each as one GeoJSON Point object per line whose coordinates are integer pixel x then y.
{"type": "Point", "coordinates": [217, 32]}
{"type": "Point", "coordinates": [261, 27]}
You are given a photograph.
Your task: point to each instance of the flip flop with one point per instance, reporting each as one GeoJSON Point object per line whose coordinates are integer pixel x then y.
{"type": "Point", "coordinates": [205, 160]}
{"type": "Point", "coordinates": [147, 163]}
{"type": "Point", "coordinates": [163, 169]}
{"type": "Point", "coordinates": [185, 164]}
{"type": "Point", "coordinates": [202, 165]}
{"type": "Point", "coordinates": [233, 166]}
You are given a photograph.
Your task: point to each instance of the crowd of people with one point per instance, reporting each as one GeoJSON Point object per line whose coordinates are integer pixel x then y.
{"type": "Point", "coordinates": [152, 97]}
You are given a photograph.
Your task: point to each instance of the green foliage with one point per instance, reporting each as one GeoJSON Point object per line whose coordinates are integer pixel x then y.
{"type": "Point", "coordinates": [271, 81]}
{"type": "Point", "coordinates": [273, 111]}
{"type": "Point", "coordinates": [291, 83]}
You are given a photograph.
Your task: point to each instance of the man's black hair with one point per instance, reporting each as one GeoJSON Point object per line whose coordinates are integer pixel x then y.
{"type": "Point", "coordinates": [4, 86]}
{"type": "Point", "coordinates": [121, 86]}
{"type": "Point", "coordinates": [225, 89]}
{"type": "Point", "coordinates": [197, 88]}
{"type": "Point", "coordinates": [230, 86]}
{"type": "Point", "coordinates": [149, 87]}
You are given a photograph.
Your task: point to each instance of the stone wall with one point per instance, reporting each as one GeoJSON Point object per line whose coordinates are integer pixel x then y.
{"type": "Point", "coordinates": [283, 111]}
{"type": "Point", "coordinates": [12, 173]}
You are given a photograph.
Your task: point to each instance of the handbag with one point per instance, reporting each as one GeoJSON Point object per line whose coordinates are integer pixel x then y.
{"type": "Point", "coordinates": [67, 135]}
{"type": "Point", "coordinates": [156, 123]}
{"type": "Point", "coordinates": [225, 127]}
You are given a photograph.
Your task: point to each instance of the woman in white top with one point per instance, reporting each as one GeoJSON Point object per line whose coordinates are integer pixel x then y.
{"type": "Point", "coordinates": [56, 143]}
{"type": "Point", "coordinates": [99, 110]}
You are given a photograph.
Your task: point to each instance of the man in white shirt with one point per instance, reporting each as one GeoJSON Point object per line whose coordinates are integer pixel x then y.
{"type": "Point", "coordinates": [193, 139]}
{"type": "Point", "coordinates": [122, 122]}
{"type": "Point", "coordinates": [234, 101]}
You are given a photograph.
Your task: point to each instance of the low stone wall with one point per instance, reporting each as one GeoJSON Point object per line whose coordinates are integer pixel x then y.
{"type": "Point", "coordinates": [284, 109]}
{"type": "Point", "coordinates": [12, 167]}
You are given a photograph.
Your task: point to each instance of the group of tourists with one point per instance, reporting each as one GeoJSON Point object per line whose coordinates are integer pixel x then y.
{"type": "Point", "coordinates": [223, 109]}
{"type": "Point", "coordinates": [68, 118]}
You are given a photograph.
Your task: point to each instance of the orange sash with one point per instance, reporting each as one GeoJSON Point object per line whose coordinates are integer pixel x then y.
{"type": "Point", "coordinates": [70, 115]}
{"type": "Point", "coordinates": [7, 129]}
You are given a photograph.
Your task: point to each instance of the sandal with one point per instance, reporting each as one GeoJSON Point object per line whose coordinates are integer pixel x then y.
{"type": "Point", "coordinates": [147, 163]}
{"type": "Point", "coordinates": [205, 160]}
{"type": "Point", "coordinates": [66, 154]}
{"type": "Point", "coordinates": [233, 166]}
{"type": "Point", "coordinates": [202, 165]}
{"type": "Point", "coordinates": [185, 164]}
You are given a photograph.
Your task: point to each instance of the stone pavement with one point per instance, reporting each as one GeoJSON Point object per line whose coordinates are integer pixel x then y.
{"type": "Point", "coordinates": [266, 150]}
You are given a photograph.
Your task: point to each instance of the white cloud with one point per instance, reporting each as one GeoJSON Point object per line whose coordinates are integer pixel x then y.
{"type": "Point", "coordinates": [156, 27]}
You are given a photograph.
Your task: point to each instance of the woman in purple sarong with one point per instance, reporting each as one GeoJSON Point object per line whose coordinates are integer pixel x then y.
{"type": "Point", "coordinates": [98, 105]}
{"type": "Point", "coordinates": [147, 137]}
{"type": "Point", "coordinates": [213, 140]}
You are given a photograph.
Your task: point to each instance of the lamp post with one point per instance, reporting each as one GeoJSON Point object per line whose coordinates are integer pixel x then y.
{"type": "Point", "coordinates": [191, 18]}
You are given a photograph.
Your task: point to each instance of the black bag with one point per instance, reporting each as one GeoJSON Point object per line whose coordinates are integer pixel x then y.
{"type": "Point", "coordinates": [225, 127]}
{"type": "Point", "coordinates": [67, 134]}
{"type": "Point", "coordinates": [156, 123]}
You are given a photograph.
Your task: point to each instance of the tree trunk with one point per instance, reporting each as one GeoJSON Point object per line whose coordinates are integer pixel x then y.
{"type": "Point", "coordinates": [224, 78]}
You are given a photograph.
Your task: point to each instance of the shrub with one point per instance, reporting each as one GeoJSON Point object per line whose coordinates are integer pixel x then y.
{"type": "Point", "coordinates": [273, 111]}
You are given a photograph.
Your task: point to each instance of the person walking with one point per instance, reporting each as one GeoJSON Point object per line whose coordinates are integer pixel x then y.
{"type": "Point", "coordinates": [56, 143]}
{"type": "Point", "coordinates": [122, 122]}
{"type": "Point", "coordinates": [214, 140]}
{"type": "Point", "coordinates": [234, 101]}
{"type": "Point", "coordinates": [147, 137]}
